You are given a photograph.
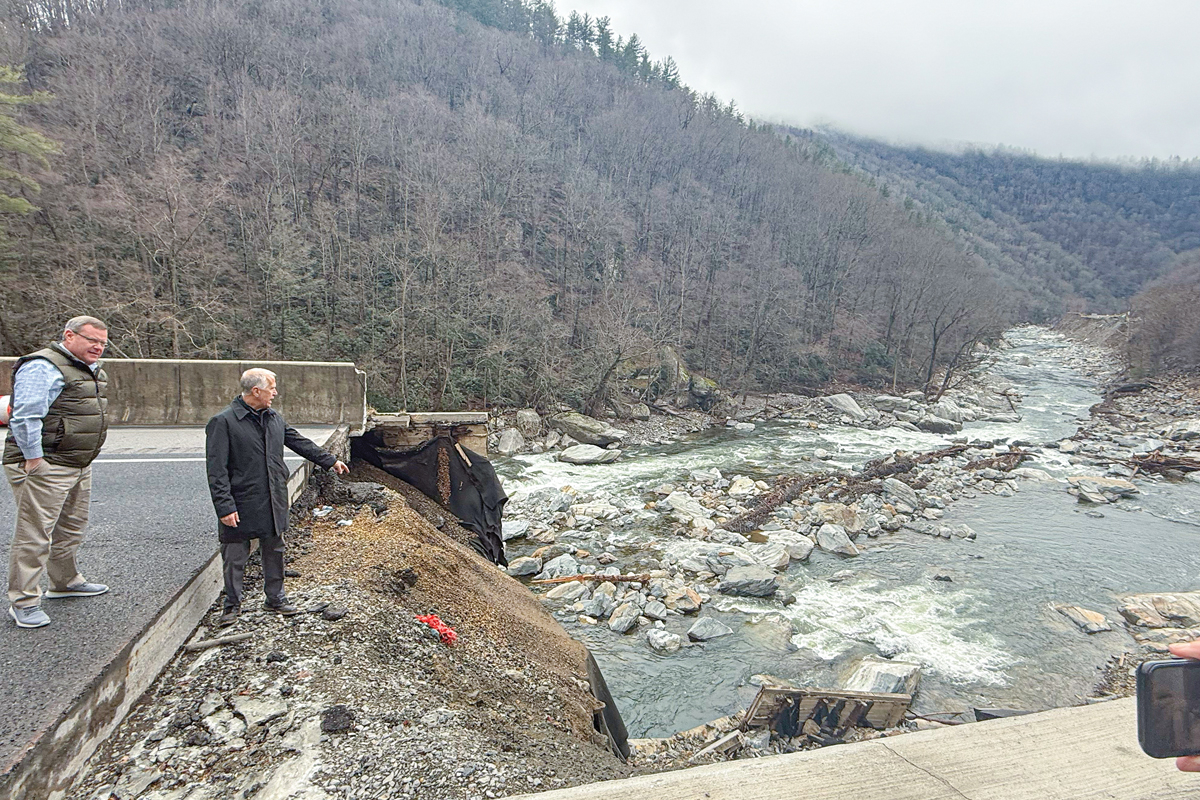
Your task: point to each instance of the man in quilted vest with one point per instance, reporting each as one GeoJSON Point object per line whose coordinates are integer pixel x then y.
{"type": "Point", "coordinates": [57, 428]}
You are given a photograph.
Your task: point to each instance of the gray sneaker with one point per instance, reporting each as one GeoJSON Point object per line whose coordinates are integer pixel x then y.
{"type": "Point", "coordinates": [32, 617]}
{"type": "Point", "coordinates": [84, 589]}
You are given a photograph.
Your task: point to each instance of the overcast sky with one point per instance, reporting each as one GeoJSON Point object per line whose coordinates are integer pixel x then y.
{"type": "Point", "coordinates": [1078, 78]}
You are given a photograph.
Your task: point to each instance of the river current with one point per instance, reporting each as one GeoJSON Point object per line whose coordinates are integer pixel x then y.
{"type": "Point", "coordinates": [988, 636]}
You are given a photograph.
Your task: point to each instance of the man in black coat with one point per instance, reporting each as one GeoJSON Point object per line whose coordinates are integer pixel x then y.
{"type": "Point", "coordinates": [247, 478]}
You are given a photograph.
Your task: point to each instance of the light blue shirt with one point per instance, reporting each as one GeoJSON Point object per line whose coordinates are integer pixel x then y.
{"type": "Point", "coordinates": [36, 386]}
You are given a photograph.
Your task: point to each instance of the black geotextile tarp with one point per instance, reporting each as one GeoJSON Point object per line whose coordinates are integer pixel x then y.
{"type": "Point", "coordinates": [470, 491]}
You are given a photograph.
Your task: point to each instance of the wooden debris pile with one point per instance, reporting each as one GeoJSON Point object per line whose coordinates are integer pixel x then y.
{"type": "Point", "coordinates": [1155, 461]}
{"type": "Point", "coordinates": [823, 716]}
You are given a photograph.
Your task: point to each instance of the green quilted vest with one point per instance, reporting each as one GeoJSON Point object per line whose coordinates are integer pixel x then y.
{"type": "Point", "coordinates": [74, 429]}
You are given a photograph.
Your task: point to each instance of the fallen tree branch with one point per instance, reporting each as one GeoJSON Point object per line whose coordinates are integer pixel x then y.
{"type": "Point", "coordinates": [611, 578]}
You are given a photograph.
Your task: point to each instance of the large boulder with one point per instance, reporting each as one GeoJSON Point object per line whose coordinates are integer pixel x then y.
{"type": "Point", "coordinates": [846, 405]}
{"type": "Point", "coordinates": [511, 442]}
{"type": "Point", "coordinates": [707, 628]}
{"type": "Point", "coordinates": [1185, 431]}
{"type": "Point", "coordinates": [901, 491]}
{"type": "Point", "coordinates": [684, 600]}
{"type": "Point", "coordinates": [524, 566]}
{"type": "Point", "coordinates": [569, 592]}
{"type": "Point", "coordinates": [686, 508]}
{"type": "Point", "coordinates": [753, 581]}
{"type": "Point", "coordinates": [624, 617]}
{"type": "Point", "coordinates": [947, 409]}
{"type": "Point", "coordinates": [529, 422]}
{"type": "Point", "coordinates": [662, 641]}
{"type": "Point", "coordinates": [884, 675]}
{"type": "Point", "coordinates": [587, 430]}
{"type": "Point", "coordinates": [771, 555]}
{"type": "Point", "coordinates": [559, 567]}
{"type": "Point", "coordinates": [721, 561]}
{"type": "Point", "coordinates": [513, 529]}
{"type": "Point", "coordinates": [588, 454]}
{"type": "Point", "coordinates": [886, 402]}
{"type": "Point", "coordinates": [798, 545]}
{"type": "Point", "coordinates": [1086, 620]}
{"type": "Point", "coordinates": [1171, 610]}
{"type": "Point", "coordinates": [1111, 488]}
{"type": "Point", "coordinates": [833, 539]}
{"type": "Point", "coordinates": [848, 517]}
{"type": "Point", "coordinates": [935, 424]}
{"type": "Point", "coordinates": [703, 393]}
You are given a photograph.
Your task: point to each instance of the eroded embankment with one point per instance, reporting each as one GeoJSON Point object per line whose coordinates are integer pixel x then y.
{"type": "Point", "coordinates": [357, 699]}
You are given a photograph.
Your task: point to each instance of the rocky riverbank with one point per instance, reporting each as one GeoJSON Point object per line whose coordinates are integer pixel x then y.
{"type": "Point", "coordinates": [724, 536]}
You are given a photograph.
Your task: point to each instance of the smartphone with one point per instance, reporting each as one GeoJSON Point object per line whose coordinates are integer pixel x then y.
{"type": "Point", "coordinates": [1168, 707]}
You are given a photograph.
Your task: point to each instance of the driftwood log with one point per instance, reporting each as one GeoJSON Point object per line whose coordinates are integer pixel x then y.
{"type": "Point", "coordinates": [599, 578]}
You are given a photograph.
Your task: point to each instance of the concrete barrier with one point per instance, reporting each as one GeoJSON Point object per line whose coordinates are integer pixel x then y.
{"type": "Point", "coordinates": [159, 391]}
{"type": "Point", "coordinates": [56, 759]}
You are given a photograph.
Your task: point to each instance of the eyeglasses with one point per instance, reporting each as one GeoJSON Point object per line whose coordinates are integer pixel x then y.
{"type": "Point", "coordinates": [92, 339]}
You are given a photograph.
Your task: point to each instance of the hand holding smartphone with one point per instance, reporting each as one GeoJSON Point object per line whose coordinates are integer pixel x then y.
{"type": "Point", "coordinates": [1168, 706]}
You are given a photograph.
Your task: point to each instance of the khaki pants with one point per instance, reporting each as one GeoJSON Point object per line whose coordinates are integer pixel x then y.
{"type": "Point", "coordinates": [52, 512]}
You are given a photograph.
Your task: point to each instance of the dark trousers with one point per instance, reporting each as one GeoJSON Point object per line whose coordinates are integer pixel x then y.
{"type": "Point", "coordinates": [234, 556]}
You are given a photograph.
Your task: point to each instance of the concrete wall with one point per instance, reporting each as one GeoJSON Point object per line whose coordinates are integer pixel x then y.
{"type": "Point", "coordinates": [154, 391]}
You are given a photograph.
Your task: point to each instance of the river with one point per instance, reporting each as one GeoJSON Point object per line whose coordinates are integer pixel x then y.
{"type": "Point", "coordinates": [988, 636]}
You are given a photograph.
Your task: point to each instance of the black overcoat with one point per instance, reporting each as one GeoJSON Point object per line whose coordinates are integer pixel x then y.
{"type": "Point", "coordinates": [246, 471]}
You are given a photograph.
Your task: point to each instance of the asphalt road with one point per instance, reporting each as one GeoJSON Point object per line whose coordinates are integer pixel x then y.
{"type": "Point", "coordinates": [151, 529]}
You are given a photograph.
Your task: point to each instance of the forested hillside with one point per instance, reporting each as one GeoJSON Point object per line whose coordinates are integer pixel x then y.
{"type": "Point", "coordinates": [1085, 234]}
{"type": "Point", "coordinates": [508, 212]}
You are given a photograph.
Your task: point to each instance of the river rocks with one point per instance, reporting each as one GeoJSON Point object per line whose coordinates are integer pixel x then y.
{"type": "Point", "coordinates": [511, 442]}
{"type": "Point", "coordinates": [1186, 431]}
{"type": "Point", "coordinates": [663, 641]}
{"type": "Point", "coordinates": [588, 454]}
{"type": "Point", "coordinates": [1167, 610]}
{"type": "Point", "coordinates": [742, 487]}
{"type": "Point", "coordinates": [524, 566]}
{"type": "Point", "coordinates": [513, 529]}
{"type": "Point", "coordinates": [773, 556]}
{"type": "Point", "coordinates": [587, 430]}
{"type": "Point", "coordinates": [755, 581]}
{"type": "Point", "coordinates": [1100, 490]}
{"type": "Point", "coordinates": [884, 675]}
{"type": "Point", "coordinates": [655, 610]}
{"type": "Point", "coordinates": [624, 617]}
{"type": "Point", "coordinates": [687, 509]}
{"type": "Point", "coordinates": [529, 422]}
{"type": "Point", "coordinates": [947, 409]}
{"type": "Point", "coordinates": [891, 404]}
{"type": "Point", "coordinates": [897, 488]}
{"type": "Point", "coordinates": [559, 567]}
{"type": "Point", "coordinates": [569, 592]}
{"type": "Point", "coordinates": [721, 561]}
{"type": "Point", "coordinates": [707, 628]}
{"type": "Point", "coordinates": [840, 514]}
{"type": "Point", "coordinates": [599, 606]}
{"type": "Point", "coordinates": [846, 405]}
{"type": "Point", "coordinates": [833, 539]}
{"type": "Point", "coordinates": [683, 600]}
{"type": "Point", "coordinates": [934, 424]}
{"type": "Point", "coordinates": [1031, 474]}
{"type": "Point", "coordinates": [1087, 621]}
{"type": "Point", "coordinates": [798, 545]}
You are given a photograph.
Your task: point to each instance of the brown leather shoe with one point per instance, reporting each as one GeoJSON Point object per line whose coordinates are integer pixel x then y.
{"type": "Point", "coordinates": [284, 609]}
{"type": "Point", "coordinates": [229, 617]}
